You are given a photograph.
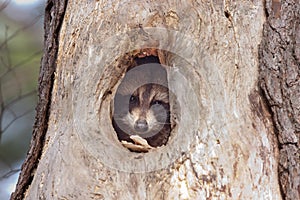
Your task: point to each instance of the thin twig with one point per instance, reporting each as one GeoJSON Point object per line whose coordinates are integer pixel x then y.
{"type": "Point", "coordinates": [29, 25]}
{"type": "Point", "coordinates": [10, 173]}
{"type": "Point", "coordinates": [15, 119]}
{"type": "Point", "coordinates": [18, 98]}
{"type": "Point", "coordinates": [4, 5]}
{"type": "Point", "coordinates": [28, 59]}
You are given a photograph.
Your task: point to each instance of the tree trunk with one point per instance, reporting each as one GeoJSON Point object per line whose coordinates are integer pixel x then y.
{"type": "Point", "coordinates": [280, 71]}
{"type": "Point", "coordinates": [223, 143]}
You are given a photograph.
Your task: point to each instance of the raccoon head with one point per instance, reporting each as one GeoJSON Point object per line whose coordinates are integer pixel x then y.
{"type": "Point", "coordinates": [149, 108]}
{"type": "Point", "coordinates": [145, 111]}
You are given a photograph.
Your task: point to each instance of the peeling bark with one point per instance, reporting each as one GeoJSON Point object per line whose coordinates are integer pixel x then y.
{"type": "Point", "coordinates": [280, 81]}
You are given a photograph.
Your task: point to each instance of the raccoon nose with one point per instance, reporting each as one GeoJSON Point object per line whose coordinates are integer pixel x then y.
{"type": "Point", "coordinates": [141, 125]}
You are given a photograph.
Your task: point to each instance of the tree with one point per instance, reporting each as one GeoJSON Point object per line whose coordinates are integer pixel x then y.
{"type": "Point", "coordinates": [279, 75]}
{"type": "Point", "coordinates": [226, 140]}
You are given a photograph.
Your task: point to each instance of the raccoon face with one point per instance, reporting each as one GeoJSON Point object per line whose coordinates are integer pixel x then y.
{"type": "Point", "coordinates": [145, 112]}
{"type": "Point", "coordinates": [148, 108]}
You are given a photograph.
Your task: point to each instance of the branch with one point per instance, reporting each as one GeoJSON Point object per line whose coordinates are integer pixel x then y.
{"type": "Point", "coordinates": [10, 173]}
{"type": "Point", "coordinates": [15, 119]}
{"type": "Point", "coordinates": [29, 25]}
{"type": "Point", "coordinates": [4, 5]}
{"type": "Point", "coordinates": [28, 59]}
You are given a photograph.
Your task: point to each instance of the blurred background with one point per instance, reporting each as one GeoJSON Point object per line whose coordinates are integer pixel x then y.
{"type": "Point", "coordinates": [21, 43]}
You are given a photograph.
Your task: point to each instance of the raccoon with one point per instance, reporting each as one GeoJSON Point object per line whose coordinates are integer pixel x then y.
{"type": "Point", "coordinates": [141, 105]}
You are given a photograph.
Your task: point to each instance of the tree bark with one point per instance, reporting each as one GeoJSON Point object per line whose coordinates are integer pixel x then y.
{"type": "Point", "coordinates": [54, 13]}
{"type": "Point", "coordinates": [223, 144]}
{"type": "Point", "coordinates": [279, 79]}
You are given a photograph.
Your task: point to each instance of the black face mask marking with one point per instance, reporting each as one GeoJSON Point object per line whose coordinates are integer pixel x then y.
{"type": "Point", "coordinates": [141, 105]}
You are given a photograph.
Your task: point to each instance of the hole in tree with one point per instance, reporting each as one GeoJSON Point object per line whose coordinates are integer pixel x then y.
{"type": "Point", "coordinates": [227, 14]}
{"type": "Point", "coordinates": [141, 109]}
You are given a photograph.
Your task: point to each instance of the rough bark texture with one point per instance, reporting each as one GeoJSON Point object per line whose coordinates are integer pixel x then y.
{"type": "Point", "coordinates": [223, 145]}
{"type": "Point", "coordinates": [53, 19]}
{"type": "Point", "coordinates": [280, 81]}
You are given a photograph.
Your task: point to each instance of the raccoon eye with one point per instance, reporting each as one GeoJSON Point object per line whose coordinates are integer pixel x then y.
{"type": "Point", "coordinates": [133, 99]}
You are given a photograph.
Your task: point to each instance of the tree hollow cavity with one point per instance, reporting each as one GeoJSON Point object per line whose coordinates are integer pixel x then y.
{"type": "Point", "coordinates": [141, 105]}
{"type": "Point", "coordinates": [95, 105]}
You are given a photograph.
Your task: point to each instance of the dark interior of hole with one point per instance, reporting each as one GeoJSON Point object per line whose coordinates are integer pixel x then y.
{"type": "Point", "coordinates": [141, 103]}
{"type": "Point", "coordinates": [147, 59]}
